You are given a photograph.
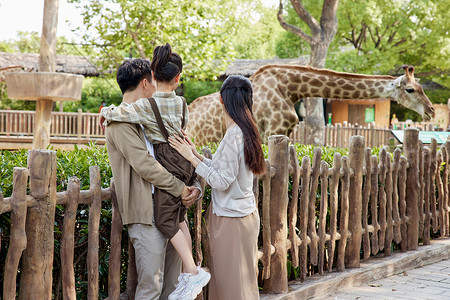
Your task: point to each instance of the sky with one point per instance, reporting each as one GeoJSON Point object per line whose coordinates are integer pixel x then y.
{"type": "Point", "coordinates": [26, 15]}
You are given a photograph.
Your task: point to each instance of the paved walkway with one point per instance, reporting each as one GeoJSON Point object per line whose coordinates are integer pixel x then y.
{"type": "Point", "coordinates": [421, 274]}
{"type": "Point", "coordinates": [428, 282]}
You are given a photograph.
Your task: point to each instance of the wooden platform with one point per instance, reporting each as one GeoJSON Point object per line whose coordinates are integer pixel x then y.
{"type": "Point", "coordinates": [62, 143]}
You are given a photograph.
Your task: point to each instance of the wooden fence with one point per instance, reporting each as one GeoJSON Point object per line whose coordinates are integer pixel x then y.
{"type": "Point", "coordinates": [363, 197]}
{"type": "Point", "coordinates": [64, 124]}
{"type": "Point", "coordinates": [338, 135]}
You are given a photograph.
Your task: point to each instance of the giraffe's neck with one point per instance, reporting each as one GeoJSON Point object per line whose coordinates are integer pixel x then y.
{"type": "Point", "coordinates": [302, 82]}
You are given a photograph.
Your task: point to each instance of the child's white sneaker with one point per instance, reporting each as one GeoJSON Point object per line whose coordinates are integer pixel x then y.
{"type": "Point", "coordinates": [194, 284]}
{"type": "Point", "coordinates": [182, 279]}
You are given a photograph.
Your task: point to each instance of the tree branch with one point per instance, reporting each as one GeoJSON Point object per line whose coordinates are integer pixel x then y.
{"type": "Point", "coordinates": [291, 28]}
{"type": "Point", "coordinates": [134, 34]}
{"type": "Point", "coordinates": [305, 16]}
{"type": "Point", "coordinates": [328, 20]}
{"type": "Point", "coordinates": [403, 40]}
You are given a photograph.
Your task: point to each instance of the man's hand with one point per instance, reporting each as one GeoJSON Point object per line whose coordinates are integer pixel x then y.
{"type": "Point", "coordinates": [192, 197]}
{"type": "Point", "coordinates": [185, 192]}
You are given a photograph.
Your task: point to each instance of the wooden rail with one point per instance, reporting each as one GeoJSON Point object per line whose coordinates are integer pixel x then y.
{"type": "Point", "coordinates": [64, 124]}
{"type": "Point", "coordinates": [67, 129]}
{"type": "Point", "coordinates": [338, 135]}
{"type": "Point", "coordinates": [362, 196]}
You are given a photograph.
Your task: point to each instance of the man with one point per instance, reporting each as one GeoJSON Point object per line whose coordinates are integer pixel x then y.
{"type": "Point", "coordinates": [135, 172]}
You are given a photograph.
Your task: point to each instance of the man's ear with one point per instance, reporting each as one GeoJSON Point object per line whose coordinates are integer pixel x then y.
{"type": "Point", "coordinates": [221, 100]}
{"type": "Point", "coordinates": [145, 83]}
{"type": "Point", "coordinates": [177, 78]}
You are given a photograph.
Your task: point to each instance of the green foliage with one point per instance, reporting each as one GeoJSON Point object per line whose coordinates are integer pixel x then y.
{"type": "Point", "coordinates": [9, 160]}
{"type": "Point", "coordinates": [289, 45]}
{"type": "Point", "coordinates": [194, 89]}
{"type": "Point", "coordinates": [76, 163]}
{"type": "Point", "coordinates": [200, 31]}
{"type": "Point", "coordinates": [256, 38]}
{"type": "Point", "coordinates": [94, 91]}
{"type": "Point", "coordinates": [69, 163]}
{"type": "Point", "coordinates": [438, 96]}
{"type": "Point", "coordinates": [30, 42]}
{"type": "Point", "coordinates": [387, 34]}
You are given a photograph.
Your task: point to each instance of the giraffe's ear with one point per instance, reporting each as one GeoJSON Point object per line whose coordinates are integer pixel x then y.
{"type": "Point", "coordinates": [417, 79]}
{"type": "Point", "coordinates": [398, 81]}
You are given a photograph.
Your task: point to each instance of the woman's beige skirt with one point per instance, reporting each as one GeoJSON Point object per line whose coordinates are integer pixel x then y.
{"type": "Point", "coordinates": [234, 257]}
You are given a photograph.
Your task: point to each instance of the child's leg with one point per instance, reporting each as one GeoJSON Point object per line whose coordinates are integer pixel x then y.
{"type": "Point", "coordinates": [180, 244]}
{"type": "Point", "coordinates": [184, 228]}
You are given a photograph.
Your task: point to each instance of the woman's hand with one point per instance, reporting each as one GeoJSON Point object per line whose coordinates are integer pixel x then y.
{"type": "Point", "coordinates": [183, 147]}
{"type": "Point", "coordinates": [188, 140]}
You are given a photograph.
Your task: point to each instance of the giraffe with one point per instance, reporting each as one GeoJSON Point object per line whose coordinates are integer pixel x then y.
{"type": "Point", "coordinates": [277, 88]}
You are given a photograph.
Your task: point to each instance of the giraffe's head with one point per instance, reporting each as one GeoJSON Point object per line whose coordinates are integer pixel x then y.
{"type": "Point", "coordinates": [410, 94]}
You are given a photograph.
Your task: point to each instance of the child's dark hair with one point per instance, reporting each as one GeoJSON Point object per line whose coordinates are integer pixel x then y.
{"type": "Point", "coordinates": [165, 63]}
{"type": "Point", "coordinates": [237, 97]}
{"type": "Point", "coordinates": [131, 72]}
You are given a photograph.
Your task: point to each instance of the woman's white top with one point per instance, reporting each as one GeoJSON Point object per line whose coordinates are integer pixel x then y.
{"type": "Point", "coordinates": [230, 179]}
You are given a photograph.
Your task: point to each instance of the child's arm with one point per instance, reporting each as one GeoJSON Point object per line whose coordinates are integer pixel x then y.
{"type": "Point", "coordinates": [139, 112]}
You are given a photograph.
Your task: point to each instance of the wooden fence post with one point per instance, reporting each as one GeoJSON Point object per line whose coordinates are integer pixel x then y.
{"type": "Point", "coordinates": [356, 159]}
{"type": "Point", "coordinates": [79, 122]}
{"type": "Point", "coordinates": [279, 158]}
{"type": "Point", "coordinates": [116, 248]}
{"type": "Point", "coordinates": [411, 151]}
{"type": "Point", "coordinates": [37, 261]}
{"type": "Point", "coordinates": [68, 241]}
{"type": "Point", "coordinates": [18, 238]}
{"type": "Point", "coordinates": [94, 227]}
{"type": "Point", "coordinates": [433, 168]}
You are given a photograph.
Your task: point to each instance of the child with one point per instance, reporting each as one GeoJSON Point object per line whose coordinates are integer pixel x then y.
{"type": "Point", "coordinates": [164, 115]}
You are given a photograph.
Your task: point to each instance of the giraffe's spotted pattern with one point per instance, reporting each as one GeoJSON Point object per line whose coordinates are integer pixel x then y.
{"type": "Point", "coordinates": [277, 88]}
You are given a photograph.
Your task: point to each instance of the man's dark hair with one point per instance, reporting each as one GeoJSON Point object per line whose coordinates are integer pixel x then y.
{"type": "Point", "coordinates": [131, 72]}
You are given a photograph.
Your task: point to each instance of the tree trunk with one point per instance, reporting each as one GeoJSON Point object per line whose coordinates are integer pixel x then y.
{"type": "Point", "coordinates": [321, 36]}
{"type": "Point", "coordinates": [47, 63]}
{"type": "Point", "coordinates": [314, 120]}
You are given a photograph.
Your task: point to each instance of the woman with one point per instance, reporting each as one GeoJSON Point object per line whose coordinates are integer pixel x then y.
{"type": "Point", "coordinates": [234, 219]}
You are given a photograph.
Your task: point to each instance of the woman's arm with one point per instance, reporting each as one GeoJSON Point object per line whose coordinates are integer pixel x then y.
{"type": "Point", "coordinates": [228, 162]}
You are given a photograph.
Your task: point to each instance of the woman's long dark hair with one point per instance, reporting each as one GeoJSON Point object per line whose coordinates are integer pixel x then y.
{"type": "Point", "coordinates": [165, 63]}
{"type": "Point", "coordinates": [237, 97]}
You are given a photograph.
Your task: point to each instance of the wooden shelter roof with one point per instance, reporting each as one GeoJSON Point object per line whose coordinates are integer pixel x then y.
{"type": "Point", "coordinates": [29, 62]}
{"type": "Point", "coordinates": [248, 67]}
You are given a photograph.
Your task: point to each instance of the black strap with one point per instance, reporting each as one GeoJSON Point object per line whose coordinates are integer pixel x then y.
{"type": "Point", "coordinates": [158, 118]}
{"type": "Point", "coordinates": [184, 112]}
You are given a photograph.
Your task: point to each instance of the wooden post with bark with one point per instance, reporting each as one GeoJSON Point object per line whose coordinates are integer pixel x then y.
{"type": "Point", "coordinates": [47, 63]}
{"type": "Point", "coordinates": [37, 260]}
{"type": "Point", "coordinates": [356, 159]}
{"type": "Point", "coordinates": [68, 241]}
{"type": "Point", "coordinates": [94, 234]}
{"type": "Point", "coordinates": [115, 252]}
{"type": "Point", "coordinates": [278, 157]}
{"type": "Point", "coordinates": [411, 150]}
{"type": "Point", "coordinates": [18, 237]}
